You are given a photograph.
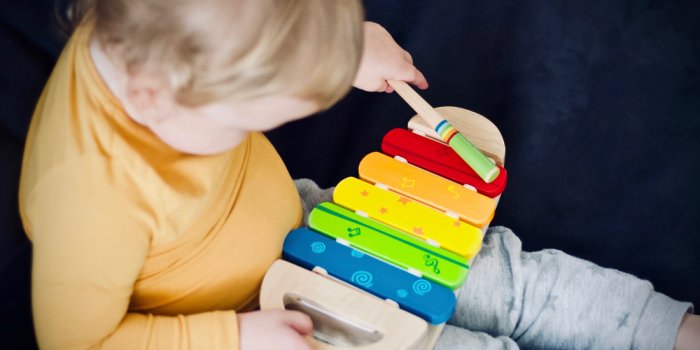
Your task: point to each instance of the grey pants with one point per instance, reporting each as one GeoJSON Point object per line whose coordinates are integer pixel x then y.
{"type": "Point", "coordinates": [551, 300]}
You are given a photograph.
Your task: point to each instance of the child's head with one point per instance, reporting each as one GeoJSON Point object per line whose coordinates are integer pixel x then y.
{"type": "Point", "coordinates": [209, 53]}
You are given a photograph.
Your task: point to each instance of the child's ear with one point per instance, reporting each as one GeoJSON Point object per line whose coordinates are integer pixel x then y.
{"type": "Point", "coordinates": [150, 95]}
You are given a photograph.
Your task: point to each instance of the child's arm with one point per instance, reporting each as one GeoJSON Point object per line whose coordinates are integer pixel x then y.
{"type": "Point", "coordinates": [383, 59]}
{"type": "Point", "coordinates": [689, 334]}
{"type": "Point", "coordinates": [88, 253]}
{"type": "Point", "coordinates": [548, 299]}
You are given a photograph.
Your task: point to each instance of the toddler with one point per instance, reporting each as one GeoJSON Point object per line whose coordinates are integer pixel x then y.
{"type": "Point", "coordinates": [155, 205]}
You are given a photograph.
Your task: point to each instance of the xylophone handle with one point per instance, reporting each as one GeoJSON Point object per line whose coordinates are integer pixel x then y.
{"type": "Point", "coordinates": [343, 317]}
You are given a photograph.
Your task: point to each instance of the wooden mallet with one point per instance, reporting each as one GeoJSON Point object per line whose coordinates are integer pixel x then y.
{"type": "Point", "coordinates": [482, 165]}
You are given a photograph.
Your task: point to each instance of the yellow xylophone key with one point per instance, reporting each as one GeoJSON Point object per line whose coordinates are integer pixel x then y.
{"type": "Point", "coordinates": [413, 217]}
{"type": "Point", "coordinates": [431, 189]}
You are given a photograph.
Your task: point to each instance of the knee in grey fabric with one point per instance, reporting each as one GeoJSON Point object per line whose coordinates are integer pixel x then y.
{"type": "Point", "coordinates": [311, 195]}
{"type": "Point", "coordinates": [551, 300]}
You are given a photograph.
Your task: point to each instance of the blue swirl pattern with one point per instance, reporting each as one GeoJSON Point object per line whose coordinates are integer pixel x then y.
{"type": "Point", "coordinates": [357, 254]}
{"type": "Point", "coordinates": [362, 278]}
{"type": "Point", "coordinates": [421, 287]}
{"type": "Point", "coordinates": [318, 247]}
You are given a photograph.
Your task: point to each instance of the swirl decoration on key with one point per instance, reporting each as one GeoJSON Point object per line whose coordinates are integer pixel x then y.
{"type": "Point", "coordinates": [318, 247]}
{"type": "Point", "coordinates": [357, 254]}
{"type": "Point", "coordinates": [421, 287]}
{"type": "Point", "coordinates": [430, 261]}
{"type": "Point", "coordinates": [362, 278]}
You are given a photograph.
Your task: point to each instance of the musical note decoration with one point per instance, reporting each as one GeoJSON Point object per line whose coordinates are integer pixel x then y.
{"type": "Point", "coordinates": [352, 232]}
{"type": "Point", "coordinates": [431, 262]}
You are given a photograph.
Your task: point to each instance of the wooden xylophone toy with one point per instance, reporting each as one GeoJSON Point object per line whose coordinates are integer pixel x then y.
{"type": "Point", "coordinates": [378, 267]}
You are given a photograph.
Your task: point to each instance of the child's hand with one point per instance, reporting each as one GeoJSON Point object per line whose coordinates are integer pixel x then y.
{"type": "Point", "coordinates": [383, 59]}
{"type": "Point", "coordinates": [274, 329]}
{"type": "Point", "coordinates": [688, 336]}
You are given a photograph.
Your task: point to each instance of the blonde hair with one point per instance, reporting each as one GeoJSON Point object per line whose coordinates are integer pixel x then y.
{"type": "Point", "coordinates": [235, 49]}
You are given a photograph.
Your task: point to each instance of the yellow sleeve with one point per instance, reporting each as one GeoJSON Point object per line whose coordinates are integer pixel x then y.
{"type": "Point", "coordinates": [90, 239]}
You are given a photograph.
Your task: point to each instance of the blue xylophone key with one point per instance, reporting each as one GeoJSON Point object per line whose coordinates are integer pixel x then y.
{"type": "Point", "coordinates": [430, 301]}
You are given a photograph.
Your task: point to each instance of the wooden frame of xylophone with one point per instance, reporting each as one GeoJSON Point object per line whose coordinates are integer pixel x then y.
{"type": "Point", "coordinates": [347, 317]}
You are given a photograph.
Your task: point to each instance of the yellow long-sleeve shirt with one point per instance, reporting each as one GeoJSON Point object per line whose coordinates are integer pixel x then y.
{"type": "Point", "coordinates": [136, 245]}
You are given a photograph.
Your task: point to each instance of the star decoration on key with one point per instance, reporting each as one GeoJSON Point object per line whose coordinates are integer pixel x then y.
{"type": "Point", "coordinates": [364, 193]}
{"type": "Point", "coordinates": [404, 200]}
{"type": "Point", "coordinates": [383, 210]}
{"type": "Point", "coordinates": [457, 223]}
{"type": "Point", "coordinates": [418, 230]}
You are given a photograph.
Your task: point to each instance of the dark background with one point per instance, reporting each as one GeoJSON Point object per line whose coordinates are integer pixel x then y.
{"type": "Point", "coordinates": [598, 102]}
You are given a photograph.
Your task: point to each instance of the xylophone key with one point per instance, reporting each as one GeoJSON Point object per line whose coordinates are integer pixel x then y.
{"type": "Point", "coordinates": [440, 159]}
{"type": "Point", "coordinates": [389, 244]}
{"type": "Point", "coordinates": [413, 217]}
{"type": "Point", "coordinates": [432, 302]}
{"type": "Point", "coordinates": [424, 186]}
